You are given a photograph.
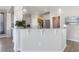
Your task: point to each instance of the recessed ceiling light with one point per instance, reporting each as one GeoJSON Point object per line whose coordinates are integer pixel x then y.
{"type": "Point", "coordinates": [24, 10]}
{"type": "Point", "coordinates": [59, 9]}
{"type": "Point", "coordinates": [45, 10]}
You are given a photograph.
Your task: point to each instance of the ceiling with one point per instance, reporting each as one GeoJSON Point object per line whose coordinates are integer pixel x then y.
{"type": "Point", "coordinates": [6, 8]}
{"type": "Point", "coordinates": [42, 9]}
{"type": "Point", "coordinates": [37, 9]}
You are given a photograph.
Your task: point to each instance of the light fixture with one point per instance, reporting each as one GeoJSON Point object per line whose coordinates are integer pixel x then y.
{"type": "Point", "coordinates": [24, 11]}
{"type": "Point", "coordinates": [59, 9]}
{"type": "Point", "coordinates": [45, 10]}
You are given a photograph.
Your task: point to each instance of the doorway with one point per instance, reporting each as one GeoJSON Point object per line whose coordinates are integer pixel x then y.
{"type": "Point", "coordinates": [2, 23]}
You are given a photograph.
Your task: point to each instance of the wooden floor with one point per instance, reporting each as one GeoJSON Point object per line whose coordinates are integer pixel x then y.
{"type": "Point", "coordinates": [6, 45]}
{"type": "Point", "coordinates": [72, 46]}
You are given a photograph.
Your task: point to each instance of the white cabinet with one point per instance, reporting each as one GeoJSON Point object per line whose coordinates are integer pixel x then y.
{"type": "Point", "coordinates": [30, 40]}
{"type": "Point", "coordinates": [16, 39]}
{"type": "Point", "coordinates": [24, 35]}
{"type": "Point", "coordinates": [40, 39]}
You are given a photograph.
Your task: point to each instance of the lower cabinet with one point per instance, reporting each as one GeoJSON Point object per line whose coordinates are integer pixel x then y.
{"type": "Point", "coordinates": [41, 40]}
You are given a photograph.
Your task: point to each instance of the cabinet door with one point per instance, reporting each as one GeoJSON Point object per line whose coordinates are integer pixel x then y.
{"type": "Point", "coordinates": [63, 39]}
{"type": "Point", "coordinates": [30, 40]}
{"type": "Point", "coordinates": [52, 40]}
{"type": "Point", "coordinates": [24, 39]}
{"type": "Point", "coordinates": [47, 41]}
{"type": "Point", "coordinates": [16, 39]}
{"type": "Point", "coordinates": [35, 37]}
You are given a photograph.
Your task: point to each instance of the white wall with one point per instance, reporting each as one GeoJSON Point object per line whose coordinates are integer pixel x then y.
{"type": "Point", "coordinates": [8, 24]}
{"type": "Point", "coordinates": [46, 16]}
{"type": "Point", "coordinates": [5, 20]}
{"type": "Point", "coordinates": [73, 32]}
{"type": "Point", "coordinates": [56, 12]}
{"type": "Point", "coordinates": [34, 18]}
{"type": "Point", "coordinates": [27, 18]}
{"type": "Point", "coordinates": [72, 29]}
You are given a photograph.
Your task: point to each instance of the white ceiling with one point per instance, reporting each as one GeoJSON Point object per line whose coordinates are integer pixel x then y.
{"type": "Point", "coordinates": [36, 9]}
{"type": "Point", "coordinates": [41, 9]}
{"type": "Point", "coordinates": [6, 8]}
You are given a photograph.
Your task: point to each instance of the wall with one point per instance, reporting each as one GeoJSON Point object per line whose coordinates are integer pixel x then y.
{"type": "Point", "coordinates": [57, 12]}
{"type": "Point", "coordinates": [46, 16]}
{"type": "Point", "coordinates": [5, 22]}
{"type": "Point", "coordinates": [73, 32]}
{"type": "Point", "coordinates": [5, 19]}
{"type": "Point", "coordinates": [8, 25]}
{"type": "Point", "coordinates": [72, 29]}
{"type": "Point", "coordinates": [34, 18]}
{"type": "Point", "coordinates": [12, 20]}
{"type": "Point", "coordinates": [27, 18]}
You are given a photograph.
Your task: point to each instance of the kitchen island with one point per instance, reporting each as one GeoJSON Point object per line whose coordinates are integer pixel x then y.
{"type": "Point", "coordinates": [39, 40]}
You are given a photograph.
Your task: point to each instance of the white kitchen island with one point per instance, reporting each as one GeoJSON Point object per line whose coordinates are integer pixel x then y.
{"type": "Point", "coordinates": [39, 40]}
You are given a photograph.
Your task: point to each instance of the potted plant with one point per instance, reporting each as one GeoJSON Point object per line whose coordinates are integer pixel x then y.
{"type": "Point", "coordinates": [40, 22]}
{"type": "Point", "coordinates": [21, 24]}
